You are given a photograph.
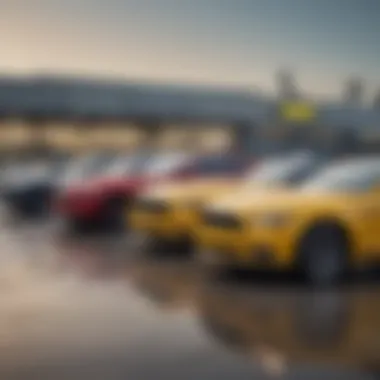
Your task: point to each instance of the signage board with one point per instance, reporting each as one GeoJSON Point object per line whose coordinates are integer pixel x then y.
{"type": "Point", "coordinates": [298, 112]}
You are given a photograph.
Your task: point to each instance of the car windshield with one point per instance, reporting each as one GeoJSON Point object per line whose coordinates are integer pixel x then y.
{"type": "Point", "coordinates": [85, 166]}
{"type": "Point", "coordinates": [166, 163]}
{"type": "Point", "coordinates": [288, 169]}
{"type": "Point", "coordinates": [31, 170]}
{"type": "Point", "coordinates": [346, 176]}
{"type": "Point", "coordinates": [125, 165]}
{"type": "Point", "coordinates": [219, 164]}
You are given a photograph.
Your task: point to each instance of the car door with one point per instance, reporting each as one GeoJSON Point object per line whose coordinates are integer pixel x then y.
{"type": "Point", "coordinates": [227, 166]}
{"type": "Point", "coordinates": [369, 218]}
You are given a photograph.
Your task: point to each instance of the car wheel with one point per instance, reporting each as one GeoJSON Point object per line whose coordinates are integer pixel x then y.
{"type": "Point", "coordinates": [38, 207]}
{"type": "Point", "coordinates": [76, 227]}
{"type": "Point", "coordinates": [114, 214]}
{"type": "Point", "coordinates": [46, 201]}
{"type": "Point", "coordinates": [324, 256]}
{"type": "Point", "coordinates": [158, 246]}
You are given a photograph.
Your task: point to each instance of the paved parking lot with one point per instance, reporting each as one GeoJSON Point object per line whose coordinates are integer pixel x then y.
{"type": "Point", "coordinates": [94, 309]}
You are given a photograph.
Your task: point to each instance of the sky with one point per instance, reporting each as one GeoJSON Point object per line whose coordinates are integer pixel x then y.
{"type": "Point", "coordinates": [220, 42]}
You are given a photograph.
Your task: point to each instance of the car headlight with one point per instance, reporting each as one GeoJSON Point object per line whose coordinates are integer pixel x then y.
{"type": "Point", "coordinates": [272, 220]}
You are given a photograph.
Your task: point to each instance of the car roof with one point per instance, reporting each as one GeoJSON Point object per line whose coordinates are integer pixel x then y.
{"type": "Point", "coordinates": [361, 160]}
{"type": "Point", "coordinates": [295, 155]}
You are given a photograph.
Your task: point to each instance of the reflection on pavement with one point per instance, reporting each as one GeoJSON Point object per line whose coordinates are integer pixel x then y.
{"type": "Point", "coordinates": [168, 283]}
{"type": "Point", "coordinates": [93, 260]}
{"type": "Point", "coordinates": [97, 308]}
{"type": "Point", "coordinates": [338, 328]}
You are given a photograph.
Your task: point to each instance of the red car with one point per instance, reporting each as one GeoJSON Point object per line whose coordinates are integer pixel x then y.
{"type": "Point", "coordinates": [101, 202]}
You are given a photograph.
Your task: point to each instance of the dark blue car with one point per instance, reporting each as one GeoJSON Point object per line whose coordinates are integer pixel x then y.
{"type": "Point", "coordinates": [28, 189]}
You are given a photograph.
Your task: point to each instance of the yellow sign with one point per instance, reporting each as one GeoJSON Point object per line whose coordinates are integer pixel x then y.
{"type": "Point", "coordinates": [298, 112]}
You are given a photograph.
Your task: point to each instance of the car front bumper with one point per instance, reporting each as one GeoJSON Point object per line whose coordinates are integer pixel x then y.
{"type": "Point", "coordinates": [244, 248]}
{"type": "Point", "coordinates": [78, 207]}
{"type": "Point", "coordinates": [175, 224]}
{"type": "Point", "coordinates": [28, 200]}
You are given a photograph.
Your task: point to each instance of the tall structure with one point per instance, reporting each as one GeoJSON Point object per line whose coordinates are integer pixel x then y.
{"type": "Point", "coordinates": [353, 91]}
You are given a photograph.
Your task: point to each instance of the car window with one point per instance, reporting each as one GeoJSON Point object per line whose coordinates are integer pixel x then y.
{"type": "Point", "coordinates": [288, 169]}
{"type": "Point", "coordinates": [346, 176]}
{"type": "Point", "coordinates": [33, 170]}
{"type": "Point", "coordinates": [85, 166]}
{"type": "Point", "coordinates": [167, 163]}
{"type": "Point", "coordinates": [127, 165]}
{"type": "Point", "coordinates": [77, 167]}
{"type": "Point", "coordinates": [219, 165]}
{"type": "Point", "coordinates": [121, 166]}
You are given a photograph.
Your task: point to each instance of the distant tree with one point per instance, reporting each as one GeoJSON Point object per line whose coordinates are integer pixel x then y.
{"type": "Point", "coordinates": [286, 84]}
{"type": "Point", "coordinates": [353, 91]}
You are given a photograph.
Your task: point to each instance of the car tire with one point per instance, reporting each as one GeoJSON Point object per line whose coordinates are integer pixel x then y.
{"type": "Point", "coordinates": [39, 207]}
{"type": "Point", "coordinates": [214, 273]}
{"type": "Point", "coordinates": [76, 227]}
{"type": "Point", "coordinates": [324, 256]}
{"type": "Point", "coordinates": [114, 214]}
{"type": "Point", "coordinates": [152, 246]}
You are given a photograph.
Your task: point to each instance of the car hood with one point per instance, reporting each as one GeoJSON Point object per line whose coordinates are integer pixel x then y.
{"type": "Point", "coordinates": [105, 184]}
{"type": "Point", "coordinates": [192, 190]}
{"type": "Point", "coordinates": [20, 178]}
{"type": "Point", "coordinates": [280, 200]}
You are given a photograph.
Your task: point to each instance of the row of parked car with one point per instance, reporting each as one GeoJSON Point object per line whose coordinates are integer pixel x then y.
{"type": "Point", "coordinates": [297, 211]}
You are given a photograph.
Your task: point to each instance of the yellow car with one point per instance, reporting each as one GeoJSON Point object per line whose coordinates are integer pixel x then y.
{"type": "Point", "coordinates": [164, 215]}
{"type": "Point", "coordinates": [169, 213]}
{"type": "Point", "coordinates": [323, 227]}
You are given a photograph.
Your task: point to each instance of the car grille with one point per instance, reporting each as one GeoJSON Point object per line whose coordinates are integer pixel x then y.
{"type": "Point", "coordinates": [152, 206]}
{"type": "Point", "coordinates": [221, 220]}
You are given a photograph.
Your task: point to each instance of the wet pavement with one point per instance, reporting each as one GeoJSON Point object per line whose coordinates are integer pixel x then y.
{"type": "Point", "coordinates": [94, 308]}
